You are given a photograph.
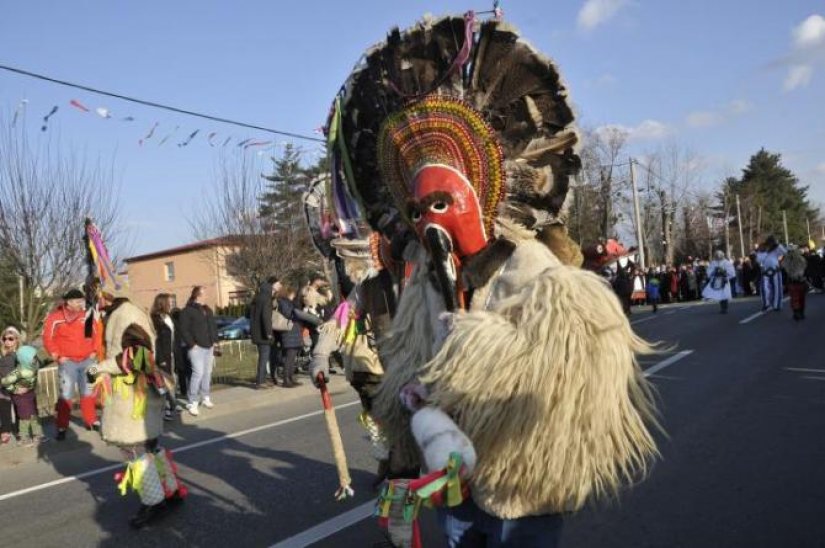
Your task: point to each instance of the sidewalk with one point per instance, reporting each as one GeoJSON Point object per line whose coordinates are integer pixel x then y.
{"type": "Point", "coordinates": [228, 400]}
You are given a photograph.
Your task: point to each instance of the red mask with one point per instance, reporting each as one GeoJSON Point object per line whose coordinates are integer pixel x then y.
{"type": "Point", "coordinates": [443, 197]}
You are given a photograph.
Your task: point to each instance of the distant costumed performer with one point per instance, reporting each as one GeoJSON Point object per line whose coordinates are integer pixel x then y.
{"type": "Point", "coordinates": [367, 300]}
{"type": "Point", "coordinates": [510, 373]}
{"type": "Point", "coordinates": [131, 389]}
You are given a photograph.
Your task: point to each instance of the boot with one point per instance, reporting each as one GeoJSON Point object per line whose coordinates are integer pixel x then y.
{"type": "Point", "coordinates": [146, 514]}
{"type": "Point", "coordinates": [87, 409]}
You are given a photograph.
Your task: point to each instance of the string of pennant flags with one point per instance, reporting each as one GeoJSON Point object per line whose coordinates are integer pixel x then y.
{"type": "Point", "coordinates": [214, 139]}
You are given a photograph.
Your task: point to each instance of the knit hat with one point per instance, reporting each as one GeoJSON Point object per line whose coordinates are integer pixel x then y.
{"type": "Point", "coordinates": [73, 293]}
{"type": "Point", "coordinates": [26, 355]}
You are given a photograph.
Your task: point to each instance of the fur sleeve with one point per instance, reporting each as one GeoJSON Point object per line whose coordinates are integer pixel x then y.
{"type": "Point", "coordinates": [551, 369]}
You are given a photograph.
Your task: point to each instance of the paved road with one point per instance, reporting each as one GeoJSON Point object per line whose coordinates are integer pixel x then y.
{"type": "Point", "coordinates": [743, 463]}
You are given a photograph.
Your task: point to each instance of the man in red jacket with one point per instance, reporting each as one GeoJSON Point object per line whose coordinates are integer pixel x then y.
{"type": "Point", "coordinates": [65, 340]}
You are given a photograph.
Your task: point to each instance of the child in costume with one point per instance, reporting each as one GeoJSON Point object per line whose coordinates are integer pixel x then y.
{"type": "Point", "coordinates": [21, 384]}
{"type": "Point", "coordinates": [132, 389]}
{"type": "Point", "coordinates": [510, 373]}
{"type": "Point", "coordinates": [720, 272]}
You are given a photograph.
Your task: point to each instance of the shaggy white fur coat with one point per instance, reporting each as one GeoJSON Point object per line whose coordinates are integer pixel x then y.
{"type": "Point", "coordinates": [540, 374]}
{"type": "Point", "coordinates": [118, 426]}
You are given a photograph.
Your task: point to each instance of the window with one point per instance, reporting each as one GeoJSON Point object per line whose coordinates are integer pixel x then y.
{"type": "Point", "coordinates": [169, 271]}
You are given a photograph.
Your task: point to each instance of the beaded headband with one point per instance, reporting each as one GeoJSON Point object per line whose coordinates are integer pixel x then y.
{"type": "Point", "coordinates": [442, 130]}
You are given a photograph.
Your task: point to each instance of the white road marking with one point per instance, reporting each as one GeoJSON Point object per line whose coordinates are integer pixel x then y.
{"type": "Point", "coordinates": [233, 435]}
{"type": "Point", "coordinates": [329, 527]}
{"type": "Point", "coordinates": [667, 362]}
{"type": "Point", "coordinates": [804, 370]}
{"type": "Point", "coordinates": [814, 378]}
{"type": "Point", "coordinates": [760, 313]}
{"type": "Point", "coordinates": [351, 517]}
{"type": "Point", "coordinates": [642, 320]}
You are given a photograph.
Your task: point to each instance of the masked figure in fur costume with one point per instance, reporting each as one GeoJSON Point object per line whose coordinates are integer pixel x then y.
{"type": "Point", "coordinates": [507, 366]}
{"type": "Point", "coordinates": [132, 390]}
{"type": "Point", "coordinates": [367, 302]}
{"type": "Point", "coordinates": [795, 265]}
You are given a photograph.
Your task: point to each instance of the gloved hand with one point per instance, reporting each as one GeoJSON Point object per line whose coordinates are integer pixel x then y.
{"type": "Point", "coordinates": [91, 374]}
{"type": "Point", "coordinates": [437, 436]}
{"type": "Point", "coordinates": [317, 369]}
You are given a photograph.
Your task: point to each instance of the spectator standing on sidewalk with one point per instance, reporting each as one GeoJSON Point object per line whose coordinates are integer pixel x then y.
{"type": "Point", "coordinates": [292, 340]}
{"type": "Point", "coordinates": [65, 340]}
{"type": "Point", "coordinates": [653, 285]}
{"type": "Point", "coordinates": [165, 342]}
{"type": "Point", "coordinates": [183, 369]}
{"type": "Point", "coordinates": [8, 362]}
{"type": "Point", "coordinates": [260, 324]}
{"type": "Point", "coordinates": [200, 334]}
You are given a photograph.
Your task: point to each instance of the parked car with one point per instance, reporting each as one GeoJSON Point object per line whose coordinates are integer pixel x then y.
{"type": "Point", "coordinates": [223, 321]}
{"type": "Point", "coordinates": [237, 330]}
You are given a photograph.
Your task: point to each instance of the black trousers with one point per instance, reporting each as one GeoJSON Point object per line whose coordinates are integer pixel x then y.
{"type": "Point", "coordinates": [5, 416]}
{"type": "Point", "coordinates": [290, 357]}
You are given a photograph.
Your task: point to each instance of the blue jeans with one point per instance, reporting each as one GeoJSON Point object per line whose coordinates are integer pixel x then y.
{"type": "Point", "coordinates": [200, 382]}
{"type": "Point", "coordinates": [467, 526]}
{"type": "Point", "coordinates": [73, 373]}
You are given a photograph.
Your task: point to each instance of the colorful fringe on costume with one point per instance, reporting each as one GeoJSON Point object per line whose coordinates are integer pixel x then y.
{"type": "Point", "coordinates": [153, 476]}
{"type": "Point", "coordinates": [400, 501]}
{"type": "Point", "coordinates": [139, 373]}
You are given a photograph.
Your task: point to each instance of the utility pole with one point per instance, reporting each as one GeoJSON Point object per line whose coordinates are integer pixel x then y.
{"type": "Point", "coordinates": [785, 225]}
{"type": "Point", "coordinates": [808, 222]}
{"type": "Point", "coordinates": [639, 235]}
{"type": "Point", "coordinates": [739, 222]}
{"type": "Point", "coordinates": [20, 287]}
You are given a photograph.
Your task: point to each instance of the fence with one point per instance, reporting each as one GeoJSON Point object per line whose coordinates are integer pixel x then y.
{"type": "Point", "coordinates": [237, 365]}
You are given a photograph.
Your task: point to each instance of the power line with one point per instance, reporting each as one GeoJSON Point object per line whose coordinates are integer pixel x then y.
{"type": "Point", "coordinates": [158, 105]}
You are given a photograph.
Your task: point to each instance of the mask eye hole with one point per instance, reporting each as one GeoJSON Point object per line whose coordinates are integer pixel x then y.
{"type": "Point", "coordinates": [415, 215]}
{"type": "Point", "coordinates": [439, 207]}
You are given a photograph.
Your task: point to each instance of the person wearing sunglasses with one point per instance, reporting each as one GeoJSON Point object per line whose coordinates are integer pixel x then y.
{"type": "Point", "coordinates": [64, 336]}
{"type": "Point", "coordinates": [8, 363]}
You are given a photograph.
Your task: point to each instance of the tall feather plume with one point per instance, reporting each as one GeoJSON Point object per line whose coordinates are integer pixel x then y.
{"type": "Point", "coordinates": [517, 89]}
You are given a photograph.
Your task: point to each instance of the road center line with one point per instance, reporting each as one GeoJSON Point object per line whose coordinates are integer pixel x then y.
{"type": "Point", "coordinates": [329, 527]}
{"type": "Point", "coordinates": [667, 362]}
{"type": "Point", "coordinates": [760, 313]}
{"type": "Point", "coordinates": [803, 370]}
{"type": "Point", "coordinates": [176, 451]}
{"type": "Point", "coordinates": [351, 517]}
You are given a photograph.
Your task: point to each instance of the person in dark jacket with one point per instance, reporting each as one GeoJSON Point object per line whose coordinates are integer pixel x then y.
{"type": "Point", "coordinates": [183, 369]}
{"type": "Point", "coordinates": [200, 335]}
{"type": "Point", "coordinates": [260, 324]}
{"type": "Point", "coordinates": [293, 340]}
{"type": "Point", "coordinates": [165, 342]}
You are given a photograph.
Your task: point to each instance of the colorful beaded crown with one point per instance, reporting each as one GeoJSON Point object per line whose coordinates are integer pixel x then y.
{"type": "Point", "coordinates": [442, 130]}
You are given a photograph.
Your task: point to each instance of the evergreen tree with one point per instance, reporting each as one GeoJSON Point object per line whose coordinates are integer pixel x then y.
{"type": "Point", "coordinates": [766, 189]}
{"type": "Point", "coordinates": [282, 216]}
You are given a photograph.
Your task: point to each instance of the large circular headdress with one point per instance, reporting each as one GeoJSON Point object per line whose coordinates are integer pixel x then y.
{"type": "Point", "coordinates": [447, 131]}
{"type": "Point", "coordinates": [472, 95]}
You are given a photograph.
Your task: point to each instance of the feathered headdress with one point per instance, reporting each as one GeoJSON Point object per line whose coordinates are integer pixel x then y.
{"type": "Point", "coordinates": [469, 95]}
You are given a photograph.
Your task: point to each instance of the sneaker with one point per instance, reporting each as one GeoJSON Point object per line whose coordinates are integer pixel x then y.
{"type": "Point", "coordinates": [193, 409]}
{"type": "Point", "coordinates": [207, 403]}
{"type": "Point", "coordinates": [40, 439]}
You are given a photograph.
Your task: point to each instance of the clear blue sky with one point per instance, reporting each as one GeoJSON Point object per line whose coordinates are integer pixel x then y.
{"type": "Point", "coordinates": [722, 78]}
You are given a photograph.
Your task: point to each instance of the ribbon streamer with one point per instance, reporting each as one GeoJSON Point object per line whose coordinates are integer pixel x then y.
{"type": "Point", "coordinates": [168, 136]}
{"type": "Point", "coordinates": [78, 105]}
{"type": "Point", "coordinates": [210, 137]}
{"type": "Point", "coordinates": [149, 135]}
{"type": "Point", "coordinates": [103, 112]}
{"type": "Point", "coordinates": [189, 139]}
{"type": "Point", "coordinates": [20, 107]}
{"type": "Point", "coordinates": [256, 144]}
{"type": "Point", "coordinates": [226, 141]}
{"type": "Point", "coordinates": [45, 125]}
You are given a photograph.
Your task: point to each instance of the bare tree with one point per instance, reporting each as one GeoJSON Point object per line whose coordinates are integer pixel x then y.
{"type": "Point", "coordinates": [255, 246]}
{"type": "Point", "coordinates": [46, 192]}
{"type": "Point", "coordinates": [594, 212]}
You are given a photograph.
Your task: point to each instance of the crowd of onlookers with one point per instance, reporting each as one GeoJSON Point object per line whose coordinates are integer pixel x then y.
{"type": "Point", "coordinates": [186, 344]}
{"type": "Point", "coordinates": [683, 282]}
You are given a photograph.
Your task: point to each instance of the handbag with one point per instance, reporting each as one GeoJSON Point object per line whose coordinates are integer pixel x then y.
{"type": "Point", "coordinates": [280, 322]}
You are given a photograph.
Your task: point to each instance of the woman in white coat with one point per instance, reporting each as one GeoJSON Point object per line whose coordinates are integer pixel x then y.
{"type": "Point", "coordinates": [720, 271]}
